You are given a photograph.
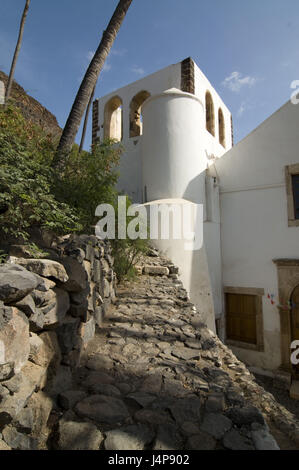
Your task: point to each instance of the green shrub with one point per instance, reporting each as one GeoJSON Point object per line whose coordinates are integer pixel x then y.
{"type": "Point", "coordinates": [89, 179]}
{"type": "Point", "coordinates": [26, 179]}
{"type": "Point", "coordinates": [33, 196]}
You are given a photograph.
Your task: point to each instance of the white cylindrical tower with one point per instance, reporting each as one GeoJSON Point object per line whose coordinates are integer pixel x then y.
{"type": "Point", "coordinates": [173, 156]}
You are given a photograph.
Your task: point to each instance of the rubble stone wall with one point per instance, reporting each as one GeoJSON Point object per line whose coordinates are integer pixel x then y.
{"type": "Point", "coordinates": [49, 309]}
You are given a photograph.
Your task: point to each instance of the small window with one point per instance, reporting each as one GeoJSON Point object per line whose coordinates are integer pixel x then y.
{"type": "Point", "coordinates": [241, 311]}
{"type": "Point", "coordinates": [295, 185]}
{"type": "Point", "coordinates": [135, 113]}
{"type": "Point", "coordinates": [113, 119]}
{"type": "Point", "coordinates": [210, 115]}
{"type": "Point", "coordinates": [292, 186]}
{"type": "Point", "coordinates": [221, 128]}
{"type": "Point", "coordinates": [244, 317]}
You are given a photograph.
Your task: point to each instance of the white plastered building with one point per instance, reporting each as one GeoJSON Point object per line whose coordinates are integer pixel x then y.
{"type": "Point", "coordinates": [178, 140]}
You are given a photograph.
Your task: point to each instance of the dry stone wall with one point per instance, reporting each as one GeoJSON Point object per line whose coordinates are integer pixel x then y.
{"type": "Point", "coordinates": [49, 309]}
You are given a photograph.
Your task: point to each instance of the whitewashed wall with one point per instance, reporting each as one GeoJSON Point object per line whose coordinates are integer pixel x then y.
{"type": "Point", "coordinates": [254, 218]}
{"type": "Point", "coordinates": [169, 161]}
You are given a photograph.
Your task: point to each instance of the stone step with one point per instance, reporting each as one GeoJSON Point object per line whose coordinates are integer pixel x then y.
{"type": "Point", "coordinates": [156, 270]}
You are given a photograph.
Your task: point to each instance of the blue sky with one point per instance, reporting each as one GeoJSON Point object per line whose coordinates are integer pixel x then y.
{"type": "Point", "coordinates": [248, 49]}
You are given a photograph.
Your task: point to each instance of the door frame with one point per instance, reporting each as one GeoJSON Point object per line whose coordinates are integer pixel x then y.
{"type": "Point", "coordinates": [288, 280]}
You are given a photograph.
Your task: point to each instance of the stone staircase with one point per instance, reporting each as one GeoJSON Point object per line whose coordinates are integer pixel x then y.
{"type": "Point", "coordinates": [154, 377]}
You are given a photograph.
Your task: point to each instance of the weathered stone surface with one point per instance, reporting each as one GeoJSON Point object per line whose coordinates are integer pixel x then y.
{"type": "Point", "coordinates": [79, 311]}
{"type": "Point", "coordinates": [45, 268]}
{"type": "Point", "coordinates": [17, 440]}
{"type": "Point", "coordinates": [68, 334]}
{"type": "Point", "coordinates": [167, 438]}
{"type": "Point", "coordinates": [87, 331]}
{"type": "Point", "coordinates": [134, 437]}
{"type": "Point", "coordinates": [215, 402]}
{"type": "Point", "coordinates": [97, 377]}
{"type": "Point", "coordinates": [216, 425]}
{"type": "Point", "coordinates": [15, 283]}
{"type": "Point", "coordinates": [152, 384]}
{"type": "Point", "coordinates": [262, 438]}
{"type": "Point", "coordinates": [246, 415]}
{"type": "Point", "coordinates": [68, 399]}
{"type": "Point", "coordinates": [27, 305]}
{"type": "Point", "coordinates": [185, 353]}
{"type": "Point", "coordinates": [143, 399]}
{"type": "Point", "coordinates": [79, 436]}
{"type": "Point", "coordinates": [44, 349]}
{"type": "Point", "coordinates": [235, 441]}
{"type": "Point", "coordinates": [4, 446]}
{"type": "Point", "coordinates": [105, 389]}
{"type": "Point", "coordinates": [30, 379]}
{"type": "Point", "coordinates": [99, 361]}
{"type": "Point", "coordinates": [5, 315]}
{"type": "Point", "coordinates": [43, 299]}
{"type": "Point", "coordinates": [151, 416]}
{"type": "Point", "coordinates": [6, 371]}
{"type": "Point", "coordinates": [14, 340]}
{"type": "Point", "coordinates": [40, 406]}
{"type": "Point", "coordinates": [24, 422]}
{"type": "Point", "coordinates": [36, 321]}
{"type": "Point", "coordinates": [13, 384]}
{"type": "Point", "coordinates": [77, 275]}
{"type": "Point", "coordinates": [62, 380]}
{"type": "Point", "coordinates": [44, 284]}
{"type": "Point", "coordinates": [156, 270]}
{"type": "Point", "coordinates": [57, 310]}
{"type": "Point", "coordinates": [186, 409]}
{"type": "Point", "coordinates": [102, 409]}
{"type": "Point", "coordinates": [201, 441]}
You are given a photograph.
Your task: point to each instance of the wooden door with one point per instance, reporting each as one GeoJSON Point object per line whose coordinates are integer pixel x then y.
{"type": "Point", "coordinates": [295, 321]}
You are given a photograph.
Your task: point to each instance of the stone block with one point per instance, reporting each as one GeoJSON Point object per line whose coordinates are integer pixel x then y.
{"type": "Point", "coordinates": [55, 312]}
{"type": "Point", "coordinates": [156, 270]}
{"type": "Point", "coordinates": [87, 331]}
{"type": "Point", "coordinates": [45, 268]}
{"type": "Point", "coordinates": [6, 371]}
{"type": "Point", "coordinates": [102, 409]}
{"type": "Point", "coordinates": [19, 441]}
{"type": "Point", "coordinates": [45, 350]}
{"type": "Point", "coordinates": [79, 436]}
{"type": "Point", "coordinates": [77, 275]}
{"type": "Point", "coordinates": [14, 340]}
{"type": "Point", "coordinates": [15, 283]}
{"type": "Point", "coordinates": [134, 437]}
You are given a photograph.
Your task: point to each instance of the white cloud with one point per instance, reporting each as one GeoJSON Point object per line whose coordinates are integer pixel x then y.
{"type": "Point", "coordinates": [236, 81]}
{"type": "Point", "coordinates": [138, 70]}
{"type": "Point", "coordinates": [242, 109]}
{"type": "Point", "coordinates": [106, 67]}
{"type": "Point", "coordinates": [118, 52]}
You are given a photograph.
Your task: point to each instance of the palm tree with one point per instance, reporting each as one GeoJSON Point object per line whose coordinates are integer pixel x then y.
{"type": "Point", "coordinates": [88, 83]}
{"type": "Point", "coordinates": [17, 51]}
{"type": "Point", "coordinates": [86, 121]}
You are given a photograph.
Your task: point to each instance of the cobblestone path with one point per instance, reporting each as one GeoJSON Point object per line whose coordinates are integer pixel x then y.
{"type": "Point", "coordinates": [155, 377]}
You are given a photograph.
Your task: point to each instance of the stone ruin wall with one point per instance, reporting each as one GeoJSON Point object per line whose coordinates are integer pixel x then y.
{"type": "Point", "coordinates": [49, 310]}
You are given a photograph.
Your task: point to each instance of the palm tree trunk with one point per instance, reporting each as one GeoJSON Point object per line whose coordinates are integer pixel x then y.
{"type": "Point", "coordinates": [86, 121]}
{"type": "Point", "coordinates": [88, 83]}
{"type": "Point", "coordinates": [17, 51]}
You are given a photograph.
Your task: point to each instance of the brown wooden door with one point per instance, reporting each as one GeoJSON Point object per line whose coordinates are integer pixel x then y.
{"type": "Point", "coordinates": [295, 321]}
{"type": "Point", "coordinates": [241, 311]}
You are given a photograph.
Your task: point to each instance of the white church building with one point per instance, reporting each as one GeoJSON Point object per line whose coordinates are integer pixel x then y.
{"type": "Point", "coordinates": [178, 139]}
